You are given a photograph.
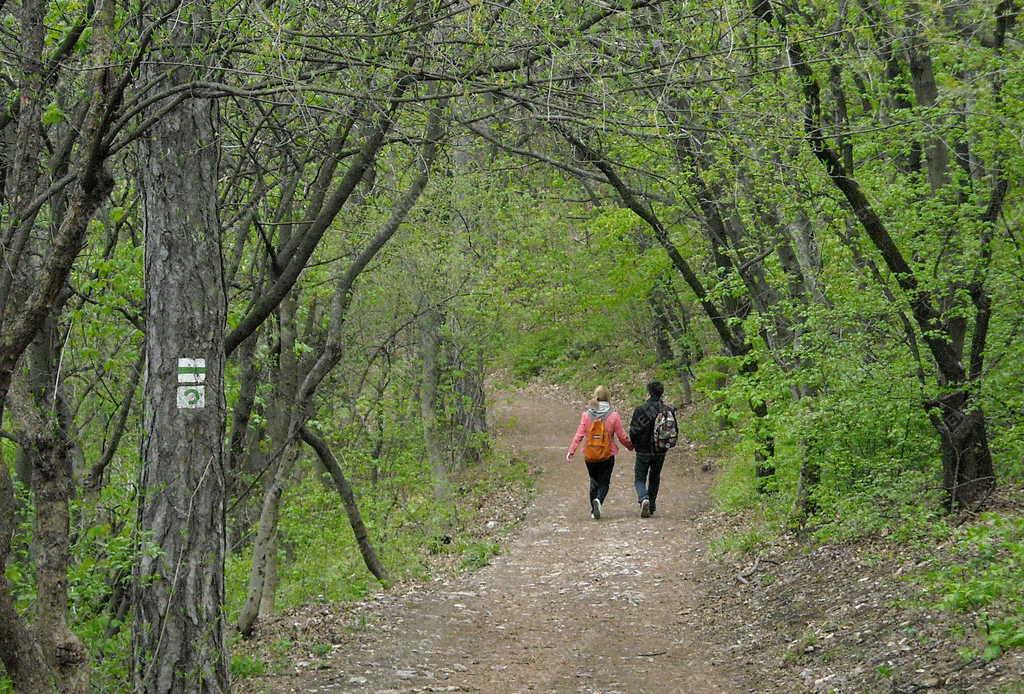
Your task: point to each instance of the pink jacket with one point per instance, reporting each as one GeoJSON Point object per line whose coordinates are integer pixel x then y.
{"type": "Point", "coordinates": [613, 423]}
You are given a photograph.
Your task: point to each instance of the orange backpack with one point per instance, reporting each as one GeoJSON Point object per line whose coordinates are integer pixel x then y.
{"type": "Point", "coordinates": [598, 444]}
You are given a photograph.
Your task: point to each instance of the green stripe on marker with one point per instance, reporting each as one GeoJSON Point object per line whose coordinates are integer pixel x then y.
{"type": "Point", "coordinates": [191, 370]}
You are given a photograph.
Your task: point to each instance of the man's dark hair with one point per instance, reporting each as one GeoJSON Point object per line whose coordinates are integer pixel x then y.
{"type": "Point", "coordinates": [655, 389]}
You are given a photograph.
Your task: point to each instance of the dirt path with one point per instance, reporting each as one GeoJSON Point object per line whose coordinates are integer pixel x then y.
{"type": "Point", "coordinates": [573, 605]}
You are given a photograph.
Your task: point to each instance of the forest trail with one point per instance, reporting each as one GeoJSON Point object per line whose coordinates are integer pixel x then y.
{"type": "Point", "coordinates": [572, 605]}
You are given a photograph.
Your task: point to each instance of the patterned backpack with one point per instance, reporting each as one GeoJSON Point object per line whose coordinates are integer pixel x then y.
{"type": "Point", "coordinates": [666, 429]}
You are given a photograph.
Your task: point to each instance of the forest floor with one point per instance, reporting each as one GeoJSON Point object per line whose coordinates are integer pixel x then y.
{"type": "Point", "coordinates": [627, 605]}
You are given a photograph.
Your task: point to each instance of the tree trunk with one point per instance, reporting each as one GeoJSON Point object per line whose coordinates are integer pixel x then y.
{"type": "Point", "coordinates": [660, 327]}
{"type": "Point", "coordinates": [684, 377]}
{"type": "Point", "coordinates": [968, 475]}
{"type": "Point", "coordinates": [265, 543]}
{"type": "Point", "coordinates": [24, 161]}
{"type": "Point", "coordinates": [764, 451]}
{"type": "Point", "coordinates": [19, 652]}
{"type": "Point", "coordinates": [49, 451]}
{"type": "Point", "coordinates": [469, 410]}
{"type": "Point", "coordinates": [926, 93]}
{"type": "Point", "coordinates": [430, 341]}
{"type": "Point", "coordinates": [348, 498]}
{"type": "Point", "coordinates": [178, 634]}
{"type": "Point", "coordinates": [284, 408]}
{"type": "Point", "coordinates": [808, 256]}
{"type": "Point", "coordinates": [263, 578]}
{"type": "Point", "coordinates": [682, 344]}
{"type": "Point", "coordinates": [268, 596]}
{"type": "Point", "coordinates": [810, 476]}
{"type": "Point", "coordinates": [243, 408]}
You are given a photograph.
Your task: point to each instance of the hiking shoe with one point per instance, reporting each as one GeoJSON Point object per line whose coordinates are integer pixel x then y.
{"type": "Point", "coordinates": [652, 508]}
{"type": "Point", "coordinates": [595, 509]}
{"type": "Point", "coordinates": [645, 508]}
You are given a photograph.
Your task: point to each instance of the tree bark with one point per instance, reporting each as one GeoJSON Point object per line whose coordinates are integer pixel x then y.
{"type": "Point", "coordinates": [348, 498]}
{"type": "Point", "coordinates": [804, 505]}
{"type": "Point", "coordinates": [271, 579]}
{"type": "Point", "coordinates": [430, 352]}
{"type": "Point", "coordinates": [287, 382]}
{"type": "Point", "coordinates": [49, 451]}
{"type": "Point", "coordinates": [262, 585]}
{"type": "Point", "coordinates": [468, 412]}
{"type": "Point", "coordinates": [178, 637]}
{"type": "Point", "coordinates": [684, 376]}
{"type": "Point", "coordinates": [25, 166]}
{"type": "Point", "coordinates": [660, 327]}
{"type": "Point", "coordinates": [265, 542]}
{"type": "Point", "coordinates": [683, 346]}
{"type": "Point", "coordinates": [471, 408]}
{"type": "Point", "coordinates": [20, 653]}
{"type": "Point", "coordinates": [926, 93]}
{"type": "Point", "coordinates": [968, 475]}
{"type": "Point", "coordinates": [243, 408]}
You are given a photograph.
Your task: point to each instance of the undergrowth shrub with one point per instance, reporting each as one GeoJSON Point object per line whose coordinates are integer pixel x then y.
{"type": "Point", "coordinates": [984, 576]}
{"type": "Point", "coordinates": [318, 558]}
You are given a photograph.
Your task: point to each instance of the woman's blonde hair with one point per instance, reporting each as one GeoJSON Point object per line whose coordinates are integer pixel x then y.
{"type": "Point", "coordinates": [601, 394]}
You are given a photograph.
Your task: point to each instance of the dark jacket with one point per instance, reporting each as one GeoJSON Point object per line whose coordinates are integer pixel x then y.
{"type": "Point", "coordinates": [641, 426]}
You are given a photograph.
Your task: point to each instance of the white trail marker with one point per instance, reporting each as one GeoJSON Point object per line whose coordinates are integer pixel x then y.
{"type": "Point", "coordinates": [191, 371]}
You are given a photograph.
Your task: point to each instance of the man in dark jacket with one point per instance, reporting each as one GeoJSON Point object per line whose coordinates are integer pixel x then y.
{"type": "Point", "coordinates": [647, 469]}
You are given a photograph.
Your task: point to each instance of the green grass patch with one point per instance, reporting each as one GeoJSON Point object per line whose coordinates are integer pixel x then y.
{"type": "Point", "coordinates": [477, 554]}
{"type": "Point", "coordinates": [742, 542]}
{"type": "Point", "coordinates": [247, 666]}
{"type": "Point", "coordinates": [985, 578]}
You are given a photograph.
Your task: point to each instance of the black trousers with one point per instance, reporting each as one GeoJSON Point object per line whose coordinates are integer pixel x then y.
{"type": "Point", "coordinates": [647, 475]}
{"type": "Point", "coordinates": [600, 478]}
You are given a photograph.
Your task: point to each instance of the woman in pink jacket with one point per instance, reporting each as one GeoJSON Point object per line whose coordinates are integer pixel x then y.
{"type": "Point", "coordinates": [600, 448]}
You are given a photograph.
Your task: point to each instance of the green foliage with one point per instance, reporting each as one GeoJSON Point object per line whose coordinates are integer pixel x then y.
{"type": "Point", "coordinates": [742, 542]}
{"type": "Point", "coordinates": [476, 554]}
{"type": "Point", "coordinates": [568, 292]}
{"type": "Point", "coordinates": [985, 577]}
{"type": "Point", "coordinates": [53, 114]}
{"type": "Point", "coordinates": [543, 273]}
{"type": "Point", "coordinates": [243, 666]}
{"type": "Point", "coordinates": [99, 577]}
{"type": "Point", "coordinates": [319, 560]}
{"type": "Point", "coordinates": [317, 557]}
{"type": "Point", "coordinates": [541, 350]}
{"type": "Point", "coordinates": [19, 567]}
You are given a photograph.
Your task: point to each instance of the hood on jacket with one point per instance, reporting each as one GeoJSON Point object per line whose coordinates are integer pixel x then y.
{"type": "Point", "coordinates": [602, 410]}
